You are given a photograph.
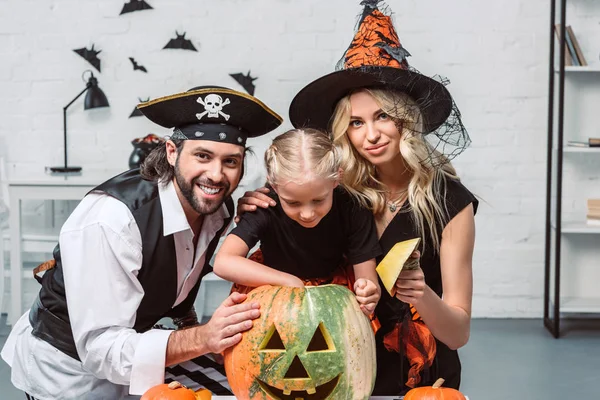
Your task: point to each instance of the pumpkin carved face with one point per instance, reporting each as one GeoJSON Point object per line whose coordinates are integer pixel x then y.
{"type": "Point", "coordinates": [309, 343]}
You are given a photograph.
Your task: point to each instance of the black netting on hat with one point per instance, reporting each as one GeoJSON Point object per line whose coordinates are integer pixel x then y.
{"type": "Point", "coordinates": [446, 137]}
{"type": "Point", "coordinates": [451, 138]}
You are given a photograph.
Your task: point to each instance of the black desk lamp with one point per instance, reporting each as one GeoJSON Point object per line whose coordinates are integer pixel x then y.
{"type": "Point", "coordinates": [95, 98]}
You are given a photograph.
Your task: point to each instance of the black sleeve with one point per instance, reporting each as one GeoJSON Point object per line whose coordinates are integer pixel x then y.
{"type": "Point", "coordinates": [457, 198]}
{"type": "Point", "coordinates": [251, 227]}
{"type": "Point", "coordinates": [363, 243]}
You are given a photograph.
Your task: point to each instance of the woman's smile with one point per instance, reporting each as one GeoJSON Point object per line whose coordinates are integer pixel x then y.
{"type": "Point", "coordinates": [377, 149]}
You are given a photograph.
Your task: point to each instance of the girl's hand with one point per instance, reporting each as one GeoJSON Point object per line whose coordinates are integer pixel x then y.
{"type": "Point", "coordinates": [367, 294]}
{"type": "Point", "coordinates": [294, 281]}
{"type": "Point", "coordinates": [410, 285]}
{"type": "Point", "coordinates": [253, 199]}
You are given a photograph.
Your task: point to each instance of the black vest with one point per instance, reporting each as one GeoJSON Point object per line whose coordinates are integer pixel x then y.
{"type": "Point", "coordinates": [49, 316]}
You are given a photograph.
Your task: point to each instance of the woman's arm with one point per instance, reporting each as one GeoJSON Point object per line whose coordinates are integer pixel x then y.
{"type": "Point", "coordinates": [449, 319]}
{"type": "Point", "coordinates": [231, 264]}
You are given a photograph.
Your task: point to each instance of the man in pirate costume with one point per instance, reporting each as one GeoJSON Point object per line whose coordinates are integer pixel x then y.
{"type": "Point", "coordinates": [134, 251]}
{"type": "Point", "coordinates": [398, 130]}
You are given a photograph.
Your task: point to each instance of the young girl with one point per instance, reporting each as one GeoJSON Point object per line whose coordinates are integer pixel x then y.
{"type": "Point", "coordinates": [313, 230]}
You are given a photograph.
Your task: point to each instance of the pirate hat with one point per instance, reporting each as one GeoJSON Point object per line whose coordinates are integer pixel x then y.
{"type": "Point", "coordinates": [212, 113]}
{"type": "Point", "coordinates": [374, 59]}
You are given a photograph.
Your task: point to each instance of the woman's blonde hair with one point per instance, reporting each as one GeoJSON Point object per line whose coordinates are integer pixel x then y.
{"type": "Point", "coordinates": [426, 186]}
{"type": "Point", "coordinates": [301, 154]}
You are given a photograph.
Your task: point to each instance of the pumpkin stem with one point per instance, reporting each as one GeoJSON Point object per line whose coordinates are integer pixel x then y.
{"type": "Point", "coordinates": [175, 385]}
{"type": "Point", "coordinates": [438, 384]}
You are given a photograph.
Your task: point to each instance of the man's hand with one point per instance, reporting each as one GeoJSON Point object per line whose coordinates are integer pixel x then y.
{"type": "Point", "coordinates": [222, 331]}
{"type": "Point", "coordinates": [253, 199]}
{"type": "Point", "coordinates": [367, 294]}
{"type": "Point", "coordinates": [228, 322]}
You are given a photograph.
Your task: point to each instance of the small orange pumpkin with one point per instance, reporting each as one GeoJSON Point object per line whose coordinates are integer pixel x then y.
{"type": "Point", "coordinates": [175, 391]}
{"type": "Point", "coordinates": [435, 392]}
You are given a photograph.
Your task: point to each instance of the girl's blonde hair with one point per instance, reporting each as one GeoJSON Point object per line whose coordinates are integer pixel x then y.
{"type": "Point", "coordinates": [426, 191]}
{"type": "Point", "coordinates": [300, 155]}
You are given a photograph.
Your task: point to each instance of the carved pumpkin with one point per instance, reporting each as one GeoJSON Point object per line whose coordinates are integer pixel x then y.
{"type": "Point", "coordinates": [435, 392]}
{"type": "Point", "coordinates": [175, 391]}
{"type": "Point", "coordinates": [311, 343]}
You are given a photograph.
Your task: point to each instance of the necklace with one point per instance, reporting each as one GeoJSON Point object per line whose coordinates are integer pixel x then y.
{"type": "Point", "coordinates": [393, 205]}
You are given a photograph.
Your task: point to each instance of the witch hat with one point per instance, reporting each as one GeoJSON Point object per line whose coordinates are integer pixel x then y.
{"type": "Point", "coordinates": [374, 59]}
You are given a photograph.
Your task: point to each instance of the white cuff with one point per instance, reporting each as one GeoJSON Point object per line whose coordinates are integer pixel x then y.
{"type": "Point", "coordinates": [148, 368]}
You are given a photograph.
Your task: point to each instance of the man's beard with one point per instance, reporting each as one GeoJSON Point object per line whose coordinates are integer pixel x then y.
{"type": "Point", "coordinates": [202, 206]}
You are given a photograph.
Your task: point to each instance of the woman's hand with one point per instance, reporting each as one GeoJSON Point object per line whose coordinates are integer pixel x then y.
{"type": "Point", "coordinates": [410, 285]}
{"type": "Point", "coordinates": [367, 294]}
{"type": "Point", "coordinates": [253, 199]}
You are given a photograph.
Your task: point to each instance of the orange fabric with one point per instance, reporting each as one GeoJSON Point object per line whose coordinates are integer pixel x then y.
{"type": "Point", "coordinates": [344, 276]}
{"type": "Point", "coordinates": [375, 28]}
{"type": "Point", "coordinates": [417, 341]}
{"type": "Point", "coordinates": [45, 266]}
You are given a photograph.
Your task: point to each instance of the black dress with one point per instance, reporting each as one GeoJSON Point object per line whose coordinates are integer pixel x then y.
{"type": "Point", "coordinates": [392, 367]}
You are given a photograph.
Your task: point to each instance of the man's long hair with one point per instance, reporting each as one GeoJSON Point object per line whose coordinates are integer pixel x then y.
{"type": "Point", "coordinates": [156, 167]}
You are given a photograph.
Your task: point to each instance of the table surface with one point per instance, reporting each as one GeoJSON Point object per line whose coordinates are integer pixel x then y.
{"type": "Point", "coordinates": [371, 398]}
{"type": "Point", "coordinates": [90, 177]}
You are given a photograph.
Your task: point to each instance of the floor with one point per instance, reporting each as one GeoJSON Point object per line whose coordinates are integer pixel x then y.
{"type": "Point", "coordinates": [505, 359]}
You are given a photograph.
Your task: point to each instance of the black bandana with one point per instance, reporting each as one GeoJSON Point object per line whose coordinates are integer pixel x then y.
{"type": "Point", "coordinates": [222, 133]}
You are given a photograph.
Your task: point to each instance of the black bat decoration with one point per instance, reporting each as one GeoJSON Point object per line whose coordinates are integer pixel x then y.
{"type": "Point", "coordinates": [90, 56]}
{"type": "Point", "coordinates": [136, 111]}
{"type": "Point", "coordinates": [137, 66]}
{"type": "Point", "coordinates": [180, 42]}
{"type": "Point", "coordinates": [384, 39]}
{"type": "Point", "coordinates": [135, 5]}
{"type": "Point", "coordinates": [246, 81]}
{"type": "Point", "coordinates": [397, 53]}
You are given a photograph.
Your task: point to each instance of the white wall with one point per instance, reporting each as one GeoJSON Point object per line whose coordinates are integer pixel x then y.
{"type": "Point", "coordinates": [494, 53]}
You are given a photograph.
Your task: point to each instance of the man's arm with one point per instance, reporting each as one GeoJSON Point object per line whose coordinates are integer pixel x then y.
{"type": "Point", "coordinates": [101, 250]}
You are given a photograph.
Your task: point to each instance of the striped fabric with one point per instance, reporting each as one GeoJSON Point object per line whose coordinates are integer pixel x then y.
{"type": "Point", "coordinates": [201, 372]}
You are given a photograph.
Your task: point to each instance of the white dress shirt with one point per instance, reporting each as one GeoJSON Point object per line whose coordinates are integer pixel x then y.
{"type": "Point", "coordinates": [101, 257]}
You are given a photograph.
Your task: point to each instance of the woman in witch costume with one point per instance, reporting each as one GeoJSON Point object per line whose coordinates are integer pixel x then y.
{"type": "Point", "coordinates": [398, 131]}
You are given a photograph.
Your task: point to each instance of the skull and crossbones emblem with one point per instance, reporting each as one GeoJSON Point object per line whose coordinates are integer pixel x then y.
{"type": "Point", "coordinates": [213, 106]}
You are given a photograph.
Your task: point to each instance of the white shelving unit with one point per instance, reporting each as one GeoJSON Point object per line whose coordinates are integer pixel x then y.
{"type": "Point", "coordinates": [573, 175]}
{"type": "Point", "coordinates": [587, 68]}
{"type": "Point", "coordinates": [580, 228]}
{"type": "Point", "coordinates": [580, 305]}
{"type": "Point", "coordinates": [572, 149]}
